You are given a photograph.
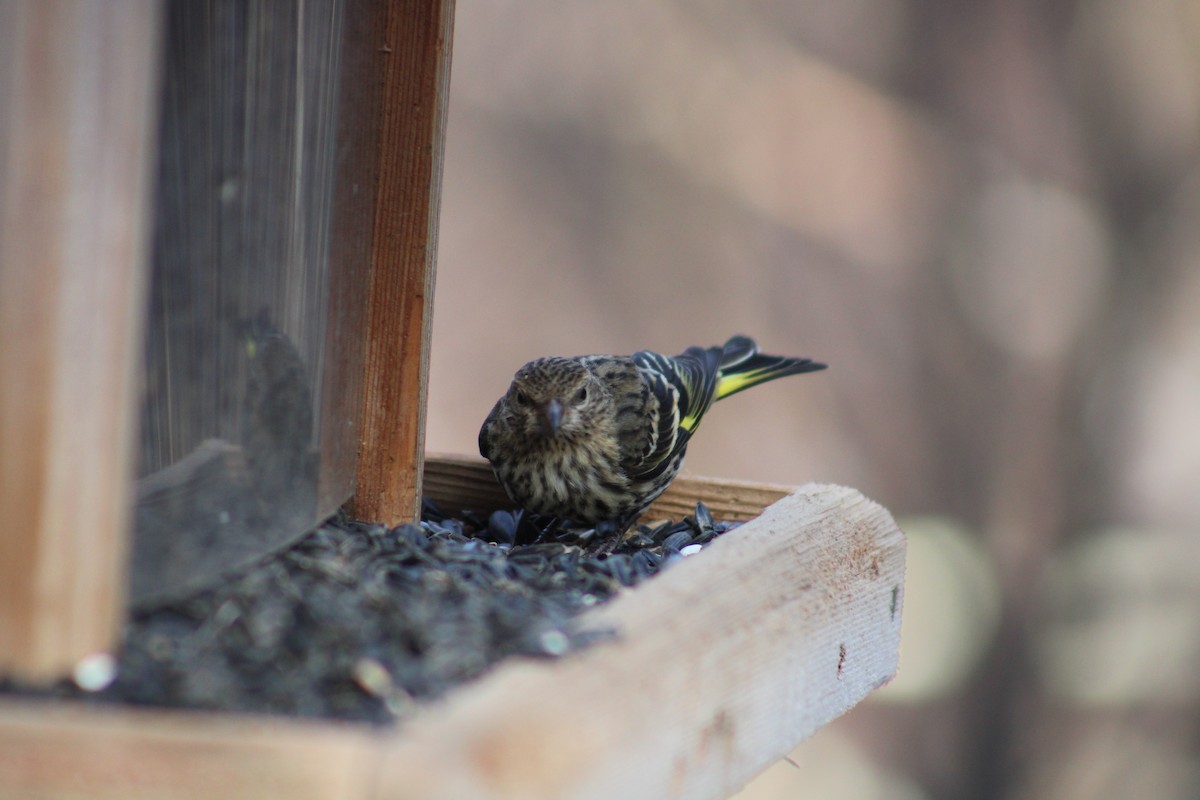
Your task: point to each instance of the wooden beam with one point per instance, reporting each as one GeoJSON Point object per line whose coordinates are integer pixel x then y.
{"type": "Point", "coordinates": [415, 53]}
{"type": "Point", "coordinates": [78, 99]}
{"type": "Point", "coordinates": [73, 751]}
{"type": "Point", "coordinates": [721, 665]}
{"type": "Point", "coordinates": [360, 98]}
{"type": "Point", "coordinates": [458, 482]}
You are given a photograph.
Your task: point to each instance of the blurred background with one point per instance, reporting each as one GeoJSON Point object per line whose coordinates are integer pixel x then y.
{"type": "Point", "coordinates": [985, 216]}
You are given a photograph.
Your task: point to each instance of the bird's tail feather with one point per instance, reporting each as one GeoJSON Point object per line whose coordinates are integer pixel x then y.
{"type": "Point", "coordinates": [742, 366]}
{"type": "Point", "coordinates": [736, 350]}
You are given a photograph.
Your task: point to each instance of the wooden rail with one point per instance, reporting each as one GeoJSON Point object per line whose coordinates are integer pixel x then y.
{"type": "Point", "coordinates": [458, 483]}
{"type": "Point", "coordinates": [78, 88]}
{"type": "Point", "coordinates": [416, 49]}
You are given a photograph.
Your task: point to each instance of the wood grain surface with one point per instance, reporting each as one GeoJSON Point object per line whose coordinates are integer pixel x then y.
{"type": "Point", "coordinates": [416, 76]}
{"type": "Point", "coordinates": [78, 100]}
{"type": "Point", "coordinates": [458, 482]}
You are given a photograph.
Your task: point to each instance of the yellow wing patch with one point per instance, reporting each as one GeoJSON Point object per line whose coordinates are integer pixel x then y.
{"type": "Point", "coordinates": [727, 384]}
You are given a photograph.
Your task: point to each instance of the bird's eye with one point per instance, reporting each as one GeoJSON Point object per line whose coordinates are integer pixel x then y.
{"type": "Point", "coordinates": [522, 398]}
{"type": "Point", "coordinates": [581, 395]}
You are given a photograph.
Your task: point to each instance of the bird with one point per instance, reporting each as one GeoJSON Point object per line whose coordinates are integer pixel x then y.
{"type": "Point", "coordinates": [595, 439]}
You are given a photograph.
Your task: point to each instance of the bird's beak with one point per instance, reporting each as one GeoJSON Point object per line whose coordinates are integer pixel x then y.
{"type": "Point", "coordinates": [552, 415]}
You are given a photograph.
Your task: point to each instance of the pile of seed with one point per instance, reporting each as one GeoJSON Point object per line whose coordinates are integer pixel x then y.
{"type": "Point", "coordinates": [359, 621]}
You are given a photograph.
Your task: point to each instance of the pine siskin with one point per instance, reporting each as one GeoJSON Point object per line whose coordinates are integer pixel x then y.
{"type": "Point", "coordinates": [597, 438]}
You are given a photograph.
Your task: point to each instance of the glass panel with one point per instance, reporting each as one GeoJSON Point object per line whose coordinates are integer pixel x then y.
{"type": "Point", "coordinates": [237, 335]}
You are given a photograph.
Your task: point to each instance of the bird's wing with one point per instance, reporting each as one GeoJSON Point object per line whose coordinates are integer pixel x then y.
{"type": "Point", "coordinates": [681, 389]}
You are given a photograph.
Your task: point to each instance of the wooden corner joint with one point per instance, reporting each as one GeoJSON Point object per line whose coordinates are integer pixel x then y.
{"type": "Point", "coordinates": [720, 666]}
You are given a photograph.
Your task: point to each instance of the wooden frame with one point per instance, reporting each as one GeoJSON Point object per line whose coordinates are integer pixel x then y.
{"type": "Point", "coordinates": [77, 111]}
{"type": "Point", "coordinates": [460, 482]}
{"type": "Point", "coordinates": [416, 88]}
{"type": "Point", "coordinates": [721, 665]}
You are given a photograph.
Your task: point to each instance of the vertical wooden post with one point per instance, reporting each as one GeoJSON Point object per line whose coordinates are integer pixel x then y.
{"type": "Point", "coordinates": [78, 94]}
{"type": "Point", "coordinates": [415, 53]}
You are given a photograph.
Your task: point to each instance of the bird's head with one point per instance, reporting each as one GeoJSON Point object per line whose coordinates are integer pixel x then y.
{"type": "Point", "coordinates": [552, 396]}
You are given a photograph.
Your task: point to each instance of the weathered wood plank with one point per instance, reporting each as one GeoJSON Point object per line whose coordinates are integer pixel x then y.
{"type": "Point", "coordinates": [360, 98]}
{"type": "Point", "coordinates": [78, 85]}
{"type": "Point", "coordinates": [72, 751]}
{"type": "Point", "coordinates": [416, 51]}
{"type": "Point", "coordinates": [460, 482]}
{"type": "Point", "coordinates": [722, 665]}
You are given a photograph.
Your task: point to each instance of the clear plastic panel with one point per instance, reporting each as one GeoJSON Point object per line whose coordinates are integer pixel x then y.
{"type": "Point", "coordinates": [237, 337]}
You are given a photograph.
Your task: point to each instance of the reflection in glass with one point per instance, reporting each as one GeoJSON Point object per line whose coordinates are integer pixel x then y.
{"type": "Point", "coordinates": [236, 335]}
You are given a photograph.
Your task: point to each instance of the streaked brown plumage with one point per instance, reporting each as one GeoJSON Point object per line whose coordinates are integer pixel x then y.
{"type": "Point", "coordinates": [598, 438]}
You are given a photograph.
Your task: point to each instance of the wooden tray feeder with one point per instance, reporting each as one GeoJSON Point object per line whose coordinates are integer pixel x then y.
{"type": "Point", "coordinates": [721, 665]}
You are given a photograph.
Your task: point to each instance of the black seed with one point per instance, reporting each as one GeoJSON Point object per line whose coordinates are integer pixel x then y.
{"type": "Point", "coordinates": [502, 526]}
{"type": "Point", "coordinates": [430, 510]}
{"type": "Point", "coordinates": [421, 608]}
{"type": "Point", "coordinates": [678, 540]}
{"type": "Point", "coordinates": [620, 567]}
{"type": "Point", "coordinates": [661, 532]}
{"type": "Point", "coordinates": [638, 541]}
{"type": "Point", "coordinates": [645, 562]}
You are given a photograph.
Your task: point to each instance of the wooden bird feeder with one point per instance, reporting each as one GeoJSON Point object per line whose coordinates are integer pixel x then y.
{"type": "Point", "coordinates": [287, 266]}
